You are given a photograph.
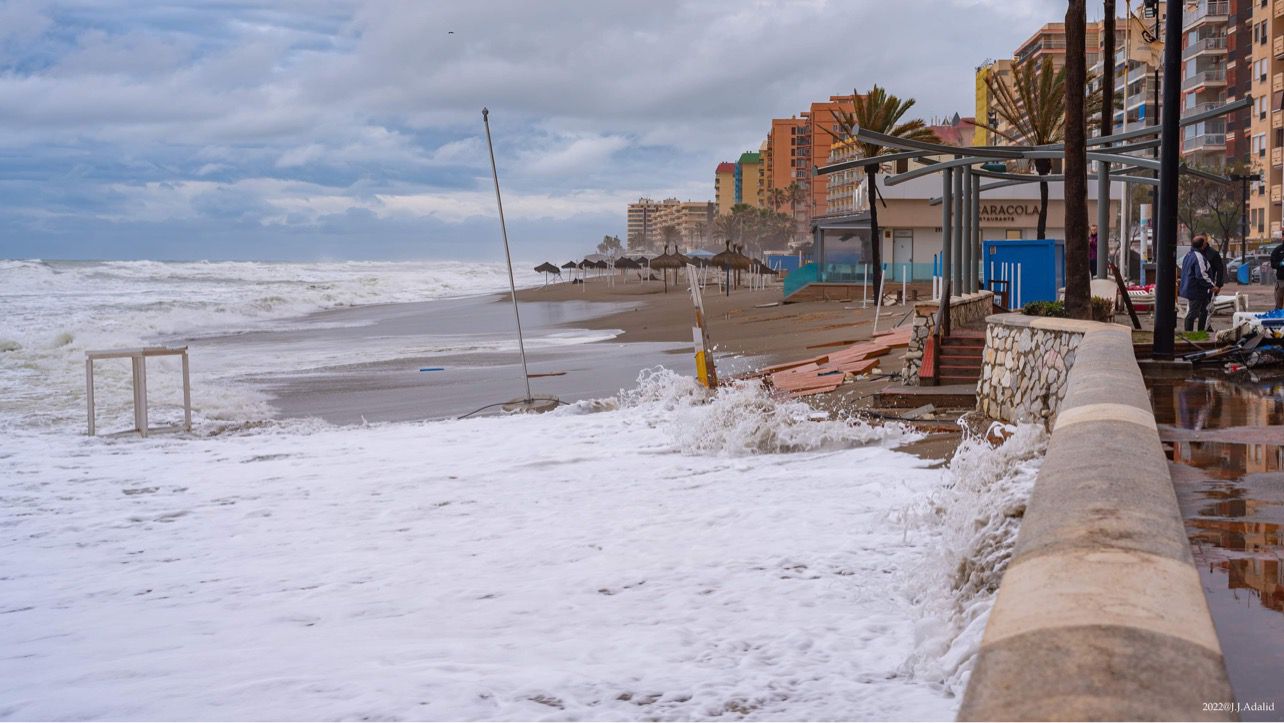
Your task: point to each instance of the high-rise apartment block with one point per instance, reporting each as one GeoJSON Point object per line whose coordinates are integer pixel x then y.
{"type": "Point", "coordinates": [648, 219]}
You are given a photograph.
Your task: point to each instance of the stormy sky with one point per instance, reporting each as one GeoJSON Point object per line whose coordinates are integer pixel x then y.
{"type": "Point", "coordinates": [352, 130]}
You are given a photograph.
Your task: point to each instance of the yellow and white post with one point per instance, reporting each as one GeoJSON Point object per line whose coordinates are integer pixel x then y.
{"type": "Point", "coordinates": [706, 374]}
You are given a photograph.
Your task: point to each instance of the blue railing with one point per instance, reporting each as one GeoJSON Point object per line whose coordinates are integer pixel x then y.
{"type": "Point", "coordinates": [800, 277]}
{"type": "Point", "coordinates": [856, 274]}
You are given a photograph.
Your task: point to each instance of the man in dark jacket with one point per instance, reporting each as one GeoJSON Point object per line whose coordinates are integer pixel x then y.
{"type": "Point", "coordinates": [1277, 263]}
{"type": "Point", "coordinates": [1196, 286]}
{"type": "Point", "coordinates": [1216, 266]}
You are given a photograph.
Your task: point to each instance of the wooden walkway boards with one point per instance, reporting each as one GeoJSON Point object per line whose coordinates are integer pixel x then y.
{"type": "Point", "coordinates": [827, 372]}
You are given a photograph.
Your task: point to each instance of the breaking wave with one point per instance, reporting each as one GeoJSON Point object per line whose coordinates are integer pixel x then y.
{"type": "Point", "coordinates": [745, 418]}
{"type": "Point", "coordinates": [976, 516]}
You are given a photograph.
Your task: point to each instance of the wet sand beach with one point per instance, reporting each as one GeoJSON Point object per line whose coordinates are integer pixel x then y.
{"type": "Point", "coordinates": [584, 341]}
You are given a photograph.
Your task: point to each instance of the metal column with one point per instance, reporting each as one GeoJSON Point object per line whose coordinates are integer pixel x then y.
{"type": "Point", "coordinates": [947, 222]}
{"type": "Point", "coordinates": [1166, 233]}
{"type": "Point", "coordinates": [818, 252]}
{"type": "Point", "coordinates": [1103, 218]}
{"type": "Point", "coordinates": [956, 244]}
{"type": "Point", "coordinates": [974, 279]}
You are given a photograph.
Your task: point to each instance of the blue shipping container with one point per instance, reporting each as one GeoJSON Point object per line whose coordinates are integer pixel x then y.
{"type": "Point", "coordinates": [1035, 269]}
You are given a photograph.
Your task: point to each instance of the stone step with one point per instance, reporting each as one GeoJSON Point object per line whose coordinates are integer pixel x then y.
{"type": "Point", "coordinates": [960, 396]}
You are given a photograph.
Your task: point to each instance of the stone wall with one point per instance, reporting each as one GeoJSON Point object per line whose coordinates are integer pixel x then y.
{"type": "Point", "coordinates": [1026, 366]}
{"type": "Point", "coordinates": [966, 309]}
{"type": "Point", "coordinates": [1100, 614]}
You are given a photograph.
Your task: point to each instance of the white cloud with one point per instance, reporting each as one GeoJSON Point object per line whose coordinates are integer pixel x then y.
{"type": "Point", "coordinates": [578, 155]}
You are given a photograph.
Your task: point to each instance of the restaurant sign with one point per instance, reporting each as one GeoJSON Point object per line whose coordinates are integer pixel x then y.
{"type": "Point", "coordinates": [1007, 212]}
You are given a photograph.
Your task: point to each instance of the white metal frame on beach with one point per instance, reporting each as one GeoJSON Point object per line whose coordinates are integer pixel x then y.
{"type": "Point", "coordinates": [138, 359]}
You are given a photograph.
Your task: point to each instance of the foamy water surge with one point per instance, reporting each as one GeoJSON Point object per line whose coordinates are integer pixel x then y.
{"type": "Point", "coordinates": [662, 555]}
{"type": "Point", "coordinates": [52, 312]}
{"type": "Point", "coordinates": [974, 520]}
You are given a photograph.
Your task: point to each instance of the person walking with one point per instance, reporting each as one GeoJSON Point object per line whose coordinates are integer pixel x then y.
{"type": "Point", "coordinates": [1216, 268]}
{"type": "Point", "coordinates": [1277, 263]}
{"type": "Point", "coordinates": [1092, 249]}
{"type": "Point", "coordinates": [1196, 285]}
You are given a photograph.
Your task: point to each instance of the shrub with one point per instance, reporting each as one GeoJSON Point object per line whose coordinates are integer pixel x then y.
{"type": "Point", "coordinates": [1045, 308]}
{"type": "Point", "coordinates": [1102, 309]}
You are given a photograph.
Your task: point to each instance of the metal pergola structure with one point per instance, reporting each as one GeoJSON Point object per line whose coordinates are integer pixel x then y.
{"type": "Point", "coordinates": [961, 185]}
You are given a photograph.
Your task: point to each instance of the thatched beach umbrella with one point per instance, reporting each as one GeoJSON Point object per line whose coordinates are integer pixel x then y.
{"type": "Point", "coordinates": [666, 261]}
{"type": "Point", "coordinates": [570, 265]}
{"type": "Point", "coordinates": [730, 259]}
{"type": "Point", "coordinates": [546, 268]}
{"type": "Point", "coordinates": [624, 263]}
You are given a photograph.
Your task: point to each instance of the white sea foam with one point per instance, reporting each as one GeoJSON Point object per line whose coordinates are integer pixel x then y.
{"type": "Point", "coordinates": [668, 558]}
{"type": "Point", "coordinates": [974, 520]}
{"type": "Point", "coordinates": [665, 554]}
{"type": "Point", "coordinates": [54, 311]}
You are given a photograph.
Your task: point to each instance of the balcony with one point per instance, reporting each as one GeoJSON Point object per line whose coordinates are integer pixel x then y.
{"type": "Point", "coordinates": [1275, 194]}
{"type": "Point", "coordinates": [1279, 8]}
{"type": "Point", "coordinates": [1200, 108]}
{"type": "Point", "coordinates": [1277, 82]}
{"type": "Point", "coordinates": [1205, 142]}
{"type": "Point", "coordinates": [1208, 10]}
{"type": "Point", "coordinates": [1207, 77]}
{"type": "Point", "coordinates": [1277, 47]}
{"type": "Point", "coordinates": [1277, 157]}
{"type": "Point", "coordinates": [1213, 44]}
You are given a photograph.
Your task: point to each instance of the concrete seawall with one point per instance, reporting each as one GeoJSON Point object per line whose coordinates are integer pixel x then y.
{"type": "Point", "coordinates": [1100, 614]}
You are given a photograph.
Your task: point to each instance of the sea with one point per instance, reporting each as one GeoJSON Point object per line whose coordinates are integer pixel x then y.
{"type": "Point", "coordinates": [657, 553]}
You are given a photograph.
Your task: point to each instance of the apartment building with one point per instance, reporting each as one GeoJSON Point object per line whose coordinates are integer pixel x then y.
{"type": "Point", "coordinates": [642, 229]}
{"type": "Point", "coordinates": [749, 180]}
{"type": "Point", "coordinates": [783, 162]}
{"type": "Point", "coordinates": [990, 71]}
{"type": "Point", "coordinates": [1049, 41]}
{"type": "Point", "coordinates": [692, 219]}
{"type": "Point", "coordinates": [1205, 59]}
{"type": "Point", "coordinates": [843, 190]}
{"type": "Point", "coordinates": [648, 218]}
{"type": "Point", "coordinates": [724, 186]}
{"type": "Point", "coordinates": [1266, 120]}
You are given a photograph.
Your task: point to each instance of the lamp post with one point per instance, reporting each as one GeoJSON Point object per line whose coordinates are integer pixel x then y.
{"type": "Point", "coordinates": [1166, 233]}
{"type": "Point", "coordinates": [1244, 179]}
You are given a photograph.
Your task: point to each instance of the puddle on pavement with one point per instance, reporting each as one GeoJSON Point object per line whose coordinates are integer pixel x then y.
{"type": "Point", "coordinates": [1232, 498]}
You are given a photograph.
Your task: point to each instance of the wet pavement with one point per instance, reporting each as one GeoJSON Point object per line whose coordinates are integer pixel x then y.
{"type": "Point", "coordinates": [1226, 442]}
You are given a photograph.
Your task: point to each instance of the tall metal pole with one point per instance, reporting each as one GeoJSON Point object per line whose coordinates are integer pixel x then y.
{"type": "Point", "coordinates": [1107, 126]}
{"type": "Point", "coordinates": [1243, 219]}
{"type": "Point", "coordinates": [975, 284]}
{"type": "Point", "coordinates": [1166, 238]}
{"type": "Point", "coordinates": [503, 229]}
{"type": "Point", "coordinates": [969, 266]}
{"type": "Point", "coordinates": [956, 277]}
{"type": "Point", "coordinates": [947, 222]}
{"type": "Point", "coordinates": [1154, 190]}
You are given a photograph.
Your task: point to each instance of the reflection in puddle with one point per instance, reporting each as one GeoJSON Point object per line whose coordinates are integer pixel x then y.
{"type": "Point", "coordinates": [1232, 496]}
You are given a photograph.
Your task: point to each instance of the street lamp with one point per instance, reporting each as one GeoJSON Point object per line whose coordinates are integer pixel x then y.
{"type": "Point", "coordinates": [1244, 179]}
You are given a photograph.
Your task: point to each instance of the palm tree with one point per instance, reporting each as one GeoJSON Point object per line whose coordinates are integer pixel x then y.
{"type": "Point", "coordinates": [670, 235]}
{"type": "Point", "coordinates": [879, 112]}
{"type": "Point", "coordinates": [1074, 76]}
{"type": "Point", "coordinates": [1033, 105]}
{"type": "Point", "coordinates": [797, 197]}
{"type": "Point", "coordinates": [777, 198]}
{"type": "Point", "coordinates": [700, 230]}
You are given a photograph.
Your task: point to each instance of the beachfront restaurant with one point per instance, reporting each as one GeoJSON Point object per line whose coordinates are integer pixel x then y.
{"type": "Point", "coordinates": [910, 229]}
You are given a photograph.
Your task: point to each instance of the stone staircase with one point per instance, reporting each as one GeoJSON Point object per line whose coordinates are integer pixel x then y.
{"type": "Point", "coordinates": [960, 353]}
